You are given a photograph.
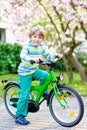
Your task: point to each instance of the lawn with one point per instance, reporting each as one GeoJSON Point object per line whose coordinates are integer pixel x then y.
{"type": "Point", "coordinates": [7, 76]}
{"type": "Point", "coordinates": [77, 84]}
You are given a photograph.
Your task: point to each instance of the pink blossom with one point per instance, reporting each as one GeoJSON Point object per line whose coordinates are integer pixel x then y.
{"type": "Point", "coordinates": [28, 12]}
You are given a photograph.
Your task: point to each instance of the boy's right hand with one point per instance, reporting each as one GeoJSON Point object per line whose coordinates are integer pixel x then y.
{"type": "Point", "coordinates": [37, 60]}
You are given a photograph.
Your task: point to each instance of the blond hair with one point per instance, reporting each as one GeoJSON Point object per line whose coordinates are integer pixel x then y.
{"type": "Point", "coordinates": [38, 29]}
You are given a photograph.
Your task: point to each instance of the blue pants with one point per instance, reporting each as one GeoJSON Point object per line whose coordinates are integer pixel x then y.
{"type": "Point", "coordinates": [25, 84]}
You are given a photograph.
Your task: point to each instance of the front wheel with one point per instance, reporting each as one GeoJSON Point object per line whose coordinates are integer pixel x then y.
{"type": "Point", "coordinates": [68, 109]}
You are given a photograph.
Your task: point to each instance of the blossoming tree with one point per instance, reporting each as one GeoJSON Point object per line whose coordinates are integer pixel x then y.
{"type": "Point", "coordinates": [71, 28]}
{"type": "Point", "coordinates": [67, 17]}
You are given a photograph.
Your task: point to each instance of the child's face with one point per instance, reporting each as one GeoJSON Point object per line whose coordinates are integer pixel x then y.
{"type": "Point", "coordinates": [36, 39]}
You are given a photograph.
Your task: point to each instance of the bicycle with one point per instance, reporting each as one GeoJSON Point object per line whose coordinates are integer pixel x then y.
{"type": "Point", "coordinates": [65, 103]}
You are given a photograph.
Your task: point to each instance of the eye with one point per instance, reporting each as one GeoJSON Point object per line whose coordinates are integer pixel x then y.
{"type": "Point", "coordinates": [34, 36]}
{"type": "Point", "coordinates": [40, 37]}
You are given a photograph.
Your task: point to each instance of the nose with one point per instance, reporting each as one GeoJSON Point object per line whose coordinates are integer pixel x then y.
{"type": "Point", "coordinates": [37, 38]}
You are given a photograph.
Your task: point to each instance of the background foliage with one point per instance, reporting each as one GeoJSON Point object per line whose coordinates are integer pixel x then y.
{"type": "Point", "coordinates": [9, 57]}
{"type": "Point", "coordinates": [82, 57]}
{"type": "Point", "coordinates": [64, 22]}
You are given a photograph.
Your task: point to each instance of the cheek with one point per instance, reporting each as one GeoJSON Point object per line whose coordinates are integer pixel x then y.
{"type": "Point", "coordinates": [40, 40]}
{"type": "Point", "coordinates": [32, 39]}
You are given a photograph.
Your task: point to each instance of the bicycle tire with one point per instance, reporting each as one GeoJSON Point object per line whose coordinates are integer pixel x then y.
{"type": "Point", "coordinates": [7, 98]}
{"type": "Point", "coordinates": [73, 113]}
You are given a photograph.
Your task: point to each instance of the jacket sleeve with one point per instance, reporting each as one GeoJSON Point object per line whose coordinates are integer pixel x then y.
{"type": "Point", "coordinates": [24, 55]}
{"type": "Point", "coordinates": [46, 55]}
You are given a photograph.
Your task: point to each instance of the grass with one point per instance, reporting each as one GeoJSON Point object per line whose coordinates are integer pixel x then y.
{"type": "Point", "coordinates": [7, 76]}
{"type": "Point", "coordinates": [77, 84]}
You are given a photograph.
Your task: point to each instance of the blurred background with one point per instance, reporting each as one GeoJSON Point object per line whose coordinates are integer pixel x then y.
{"type": "Point", "coordinates": [65, 26]}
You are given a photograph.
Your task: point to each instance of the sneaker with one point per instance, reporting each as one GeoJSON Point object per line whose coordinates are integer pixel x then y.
{"type": "Point", "coordinates": [21, 120]}
{"type": "Point", "coordinates": [46, 95]}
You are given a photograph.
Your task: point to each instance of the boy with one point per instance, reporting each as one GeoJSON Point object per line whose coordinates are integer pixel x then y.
{"type": "Point", "coordinates": [32, 51]}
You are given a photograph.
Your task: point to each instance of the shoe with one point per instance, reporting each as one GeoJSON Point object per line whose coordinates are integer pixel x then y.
{"type": "Point", "coordinates": [21, 120]}
{"type": "Point", "coordinates": [45, 95]}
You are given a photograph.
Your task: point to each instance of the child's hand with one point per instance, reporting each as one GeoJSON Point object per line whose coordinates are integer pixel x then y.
{"type": "Point", "coordinates": [60, 57]}
{"type": "Point", "coordinates": [37, 60]}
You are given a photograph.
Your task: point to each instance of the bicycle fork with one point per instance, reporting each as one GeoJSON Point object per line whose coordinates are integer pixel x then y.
{"type": "Point", "coordinates": [59, 96]}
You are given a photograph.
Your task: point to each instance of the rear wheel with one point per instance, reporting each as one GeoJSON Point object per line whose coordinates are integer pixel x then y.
{"type": "Point", "coordinates": [11, 96]}
{"type": "Point", "coordinates": [70, 110]}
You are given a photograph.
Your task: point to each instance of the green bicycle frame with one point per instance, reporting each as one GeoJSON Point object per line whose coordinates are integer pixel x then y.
{"type": "Point", "coordinates": [41, 88]}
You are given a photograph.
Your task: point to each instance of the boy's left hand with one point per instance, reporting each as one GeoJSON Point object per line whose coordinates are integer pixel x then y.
{"type": "Point", "coordinates": [60, 57]}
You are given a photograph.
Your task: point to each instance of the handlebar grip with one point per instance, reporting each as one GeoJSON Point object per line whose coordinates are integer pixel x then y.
{"type": "Point", "coordinates": [40, 61]}
{"type": "Point", "coordinates": [32, 61]}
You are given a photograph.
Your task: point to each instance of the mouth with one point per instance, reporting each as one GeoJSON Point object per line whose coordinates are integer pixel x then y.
{"type": "Point", "coordinates": [35, 44]}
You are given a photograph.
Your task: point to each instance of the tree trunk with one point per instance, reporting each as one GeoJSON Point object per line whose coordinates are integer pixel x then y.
{"type": "Point", "coordinates": [79, 67]}
{"type": "Point", "coordinates": [68, 68]}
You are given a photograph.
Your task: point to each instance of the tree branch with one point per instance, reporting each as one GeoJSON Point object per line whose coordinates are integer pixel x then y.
{"type": "Point", "coordinates": [82, 26]}
{"type": "Point", "coordinates": [49, 16]}
{"type": "Point", "coordinates": [60, 18]}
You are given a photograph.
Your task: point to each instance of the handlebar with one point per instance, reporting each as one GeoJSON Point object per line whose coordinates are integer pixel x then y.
{"type": "Point", "coordinates": [51, 64]}
{"type": "Point", "coordinates": [45, 62]}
